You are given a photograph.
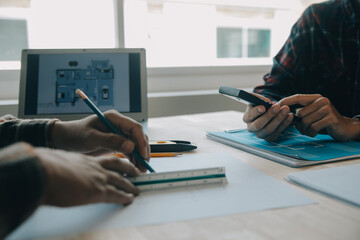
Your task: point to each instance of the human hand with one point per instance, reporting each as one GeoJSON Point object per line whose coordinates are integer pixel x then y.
{"type": "Point", "coordinates": [76, 179]}
{"type": "Point", "coordinates": [319, 115]}
{"type": "Point", "coordinates": [268, 124]}
{"type": "Point", "coordinates": [90, 135]}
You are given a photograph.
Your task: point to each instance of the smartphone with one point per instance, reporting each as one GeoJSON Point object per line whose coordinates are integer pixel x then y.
{"type": "Point", "coordinates": [241, 95]}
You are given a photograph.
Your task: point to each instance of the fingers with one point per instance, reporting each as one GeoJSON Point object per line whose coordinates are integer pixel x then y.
{"type": "Point", "coordinates": [313, 114]}
{"type": "Point", "coordinates": [114, 195]}
{"type": "Point", "coordinates": [316, 106]}
{"type": "Point", "coordinates": [119, 165]}
{"type": "Point", "coordinates": [280, 120]}
{"type": "Point", "coordinates": [126, 146]}
{"type": "Point", "coordinates": [133, 130]}
{"type": "Point", "coordinates": [317, 116]}
{"type": "Point", "coordinates": [314, 120]}
{"type": "Point", "coordinates": [302, 99]}
{"type": "Point", "coordinates": [133, 160]}
{"type": "Point", "coordinates": [253, 113]}
{"type": "Point", "coordinates": [121, 183]}
{"type": "Point", "coordinates": [263, 120]}
{"type": "Point", "coordinates": [119, 189]}
{"type": "Point", "coordinates": [75, 179]}
{"type": "Point", "coordinates": [114, 142]}
{"type": "Point", "coordinates": [142, 144]}
{"type": "Point", "coordinates": [286, 123]}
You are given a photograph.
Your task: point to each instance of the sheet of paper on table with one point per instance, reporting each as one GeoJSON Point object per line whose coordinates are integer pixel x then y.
{"type": "Point", "coordinates": [247, 190]}
{"type": "Point", "coordinates": [342, 183]}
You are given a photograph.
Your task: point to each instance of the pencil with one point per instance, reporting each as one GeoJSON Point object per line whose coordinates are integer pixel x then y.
{"type": "Point", "coordinates": [153, 155]}
{"type": "Point", "coordinates": [102, 117]}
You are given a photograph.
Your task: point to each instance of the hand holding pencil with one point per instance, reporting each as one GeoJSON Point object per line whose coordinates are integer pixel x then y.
{"type": "Point", "coordinates": [91, 136]}
{"type": "Point", "coordinates": [124, 131]}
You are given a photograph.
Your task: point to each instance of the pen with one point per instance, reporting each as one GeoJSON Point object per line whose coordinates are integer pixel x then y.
{"type": "Point", "coordinates": [102, 117]}
{"type": "Point", "coordinates": [153, 155]}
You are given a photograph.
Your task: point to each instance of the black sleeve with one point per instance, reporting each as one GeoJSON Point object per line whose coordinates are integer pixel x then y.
{"type": "Point", "coordinates": [22, 184]}
{"type": "Point", "coordinates": [35, 132]}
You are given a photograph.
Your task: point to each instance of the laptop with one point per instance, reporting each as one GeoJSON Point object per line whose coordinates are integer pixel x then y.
{"type": "Point", "coordinates": [111, 78]}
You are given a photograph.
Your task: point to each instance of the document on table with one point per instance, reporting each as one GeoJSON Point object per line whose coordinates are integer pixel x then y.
{"type": "Point", "coordinates": [291, 148]}
{"type": "Point", "coordinates": [247, 190]}
{"type": "Point", "coordinates": [342, 183]}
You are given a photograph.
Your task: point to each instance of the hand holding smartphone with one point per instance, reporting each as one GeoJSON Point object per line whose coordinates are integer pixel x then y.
{"type": "Point", "coordinates": [241, 95]}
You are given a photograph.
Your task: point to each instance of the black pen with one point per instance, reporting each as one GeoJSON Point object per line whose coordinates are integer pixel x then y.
{"type": "Point", "coordinates": [102, 117]}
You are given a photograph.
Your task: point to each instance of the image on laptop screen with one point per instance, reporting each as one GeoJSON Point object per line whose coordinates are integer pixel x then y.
{"type": "Point", "coordinates": [111, 78]}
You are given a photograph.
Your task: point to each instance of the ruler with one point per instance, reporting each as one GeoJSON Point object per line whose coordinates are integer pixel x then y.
{"type": "Point", "coordinates": [184, 178]}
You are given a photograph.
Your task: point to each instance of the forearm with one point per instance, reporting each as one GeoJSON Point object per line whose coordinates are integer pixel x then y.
{"type": "Point", "coordinates": [355, 128]}
{"type": "Point", "coordinates": [36, 132]}
{"type": "Point", "coordinates": [22, 184]}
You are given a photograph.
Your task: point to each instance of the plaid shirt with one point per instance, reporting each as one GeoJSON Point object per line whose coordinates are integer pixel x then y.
{"type": "Point", "coordinates": [320, 56]}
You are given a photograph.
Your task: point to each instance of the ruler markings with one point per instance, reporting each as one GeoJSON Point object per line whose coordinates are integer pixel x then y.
{"type": "Point", "coordinates": [153, 181]}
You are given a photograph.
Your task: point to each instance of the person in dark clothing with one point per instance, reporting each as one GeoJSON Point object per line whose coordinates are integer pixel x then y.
{"type": "Point", "coordinates": [318, 68]}
{"type": "Point", "coordinates": [34, 171]}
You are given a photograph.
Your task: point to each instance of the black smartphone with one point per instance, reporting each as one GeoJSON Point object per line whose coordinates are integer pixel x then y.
{"type": "Point", "coordinates": [241, 95]}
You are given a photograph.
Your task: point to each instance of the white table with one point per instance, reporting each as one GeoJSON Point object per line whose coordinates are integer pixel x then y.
{"type": "Point", "coordinates": [329, 219]}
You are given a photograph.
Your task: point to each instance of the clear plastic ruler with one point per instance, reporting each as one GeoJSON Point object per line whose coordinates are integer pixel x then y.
{"type": "Point", "coordinates": [185, 178]}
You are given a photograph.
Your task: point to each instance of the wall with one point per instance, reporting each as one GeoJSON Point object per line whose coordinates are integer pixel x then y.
{"type": "Point", "coordinates": [172, 91]}
{"type": "Point", "coordinates": [209, 101]}
{"type": "Point", "coordinates": [166, 105]}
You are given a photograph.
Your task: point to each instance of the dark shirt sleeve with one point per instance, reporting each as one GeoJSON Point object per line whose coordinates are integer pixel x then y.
{"type": "Point", "coordinates": [319, 57]}
{"type": "Point", "coordinates": [22, 184]}
{"type": "Point", "coordinates": [283, 80]}
{"type": "Point", "coordinates": [35, 132]}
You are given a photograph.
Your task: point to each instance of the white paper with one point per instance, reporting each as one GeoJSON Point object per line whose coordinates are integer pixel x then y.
{"type": "Point", "coordinates": [247, 190]}
{"type": "Point", "coordinates": [342, 183]}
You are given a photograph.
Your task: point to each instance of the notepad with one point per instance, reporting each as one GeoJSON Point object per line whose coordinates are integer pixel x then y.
{"type": "Point", "coordinates": [291, 148]}
{"type": "Point", "coordinates": [342, 183]}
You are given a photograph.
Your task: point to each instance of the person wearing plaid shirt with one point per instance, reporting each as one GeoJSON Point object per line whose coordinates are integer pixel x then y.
{"type": "Point", "coordinates": [318, 68]}
{"type": "Point", "coordinates": [34, 171]}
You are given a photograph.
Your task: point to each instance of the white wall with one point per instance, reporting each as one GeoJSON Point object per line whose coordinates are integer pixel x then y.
{"type": "Point", "coordinates": [172, 91]}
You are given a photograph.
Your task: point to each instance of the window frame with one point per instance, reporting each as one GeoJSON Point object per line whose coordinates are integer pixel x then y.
{"type": "Point", "coordinates": [166, 79]}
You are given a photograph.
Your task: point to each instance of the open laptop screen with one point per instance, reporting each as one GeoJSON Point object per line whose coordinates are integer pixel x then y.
{"type": "Point", "coordinates": [111, 78]}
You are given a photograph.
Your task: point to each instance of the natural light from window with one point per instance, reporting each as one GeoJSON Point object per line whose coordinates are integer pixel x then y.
{"type": "Point", "coordinates": [173, 32]}
{"type": "Point", "coordinates": [210, 32]}
{"type": "Point", "coordinates": [54, 24]}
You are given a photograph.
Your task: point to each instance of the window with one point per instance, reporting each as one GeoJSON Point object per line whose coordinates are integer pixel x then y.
{"type": "Point", "coordinates": [193, 39]}
{"type": "Point", "coordinates": [55, 24]}
{"type": "Point", "coordinates": [209, 32]}
{"type": "Point", "coordinates": [13, 37]}
{"type": "Point", "coordinates": [50, 24]}
{"type": "Point", "coordinates": [229, 42]}
{"type": "Point", "coordinates": [258, 43]}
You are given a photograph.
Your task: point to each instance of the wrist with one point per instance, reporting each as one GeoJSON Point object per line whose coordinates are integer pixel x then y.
{"type": "Point", "coordinates": [51, 136]}
{"type": "Point", "coordinates": [61, 135]}
{"type": "Point", "coordinates": [351, 129]}
{"type": "Point", "coordinates": [46, 166]}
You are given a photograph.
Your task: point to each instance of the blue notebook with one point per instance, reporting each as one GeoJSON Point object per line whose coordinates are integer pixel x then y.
{"type": "Point", "coordinates": [341, 183]}
{"type": "Point", "coordinates": [291, 148]}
